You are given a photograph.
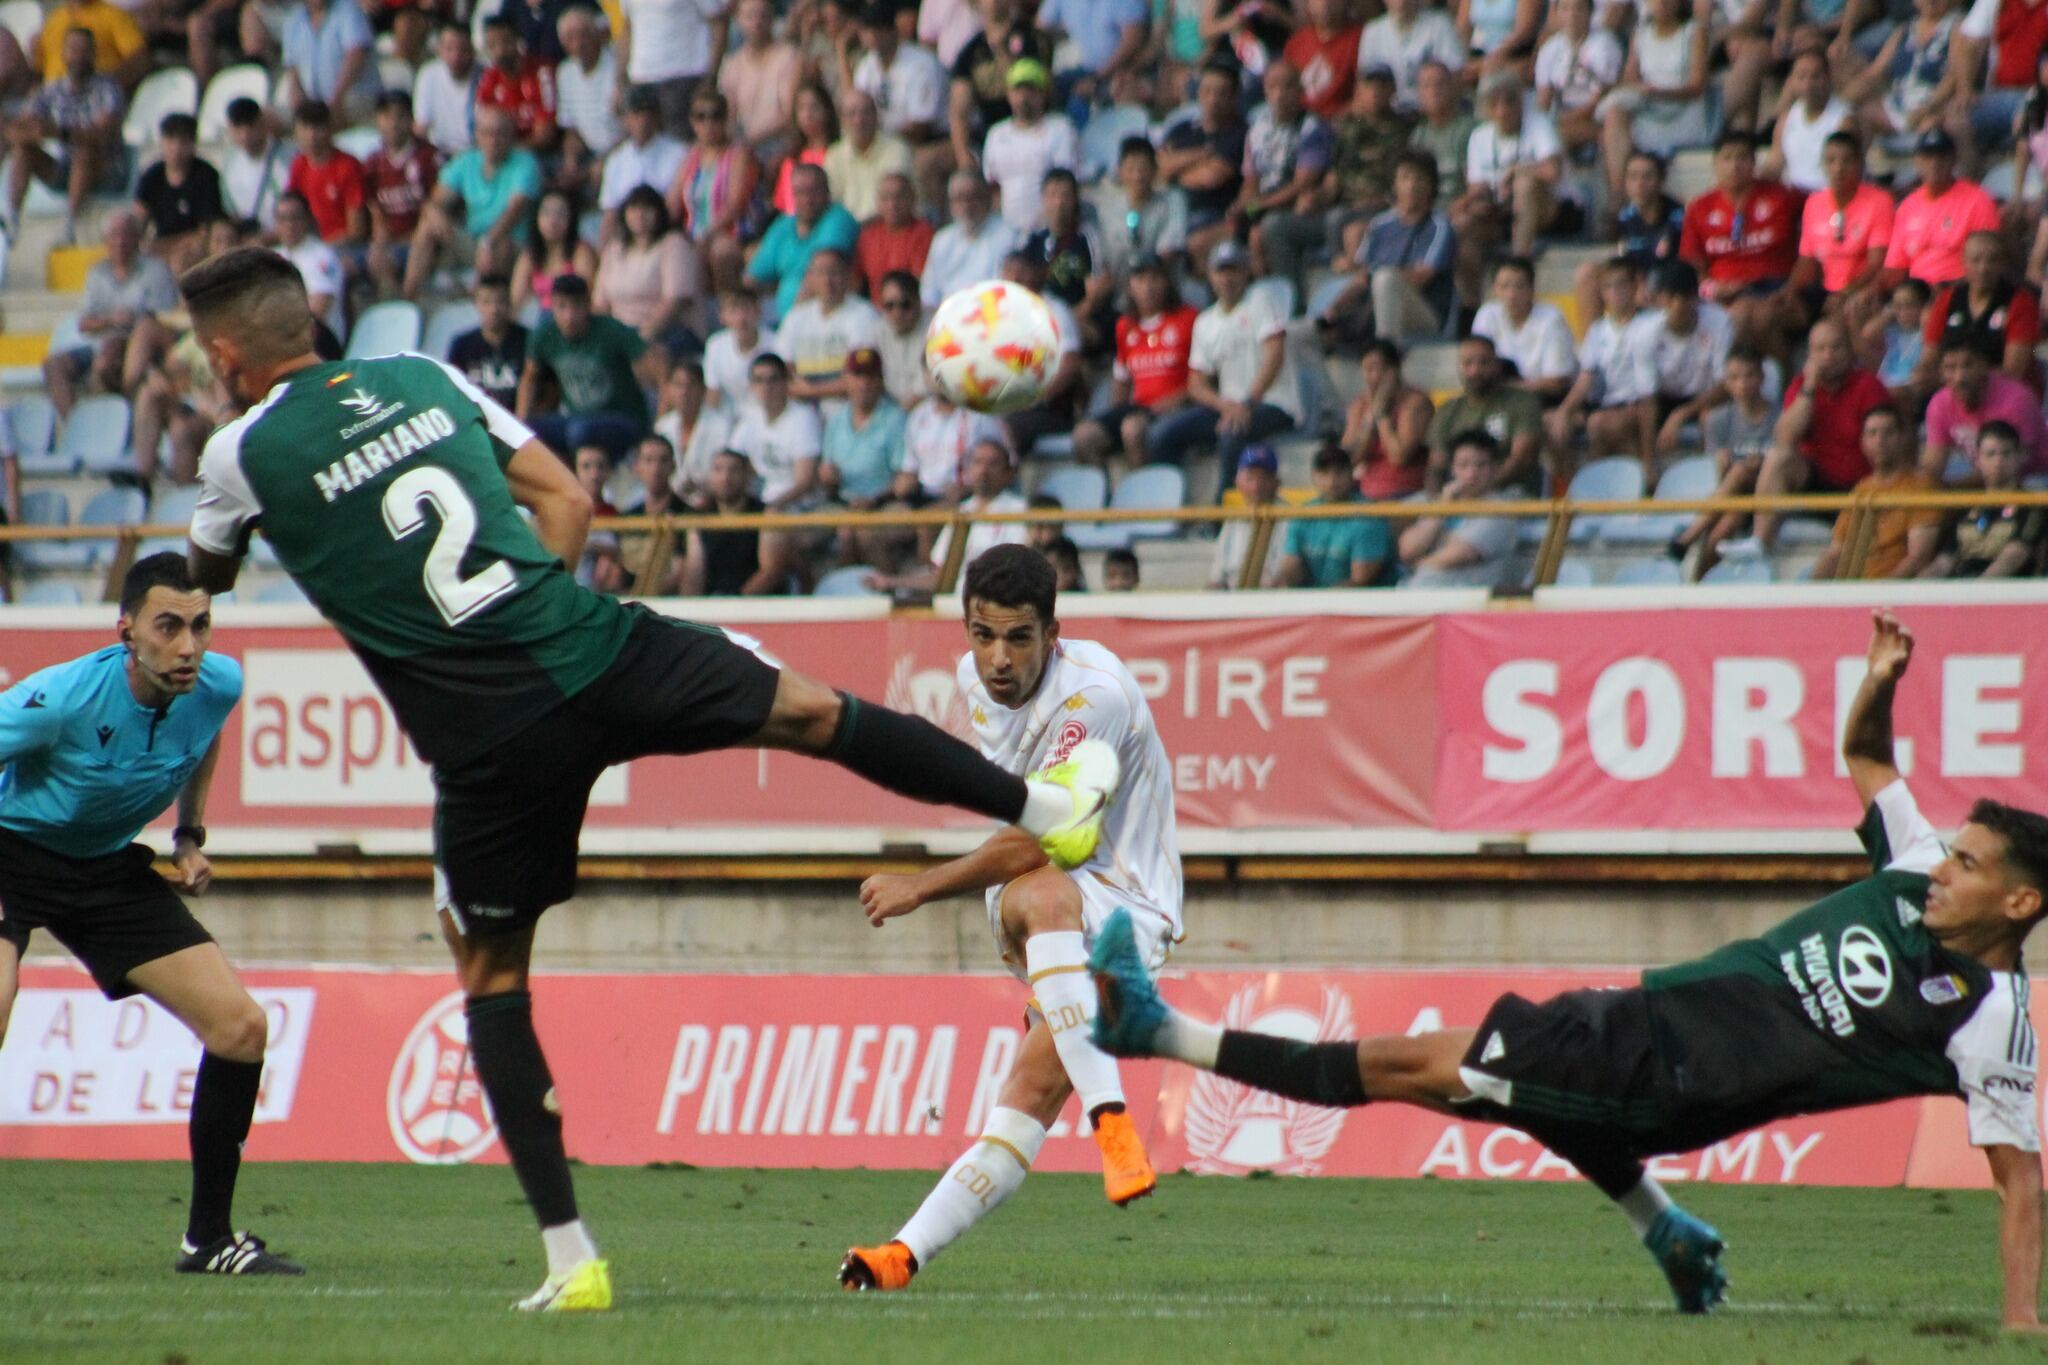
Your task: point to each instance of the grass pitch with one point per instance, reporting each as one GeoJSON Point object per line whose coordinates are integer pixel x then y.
{"type": "Point", "coordinates": [417, 1264]}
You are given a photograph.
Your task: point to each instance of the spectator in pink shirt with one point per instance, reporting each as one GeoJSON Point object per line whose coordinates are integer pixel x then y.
{"type": "Point", "coordinates": [1844, 230]}
{"type": "Point", "coordinates": [1933, 221]}
{"type": "Point", "coordinates": [1971, 394]}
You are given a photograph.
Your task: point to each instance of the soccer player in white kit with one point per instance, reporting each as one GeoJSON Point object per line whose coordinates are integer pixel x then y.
{"type": "Point", "coordinates": [1033, 697]}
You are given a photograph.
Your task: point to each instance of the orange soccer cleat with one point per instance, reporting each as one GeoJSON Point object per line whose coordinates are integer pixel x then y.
{"type": "Point", "coordinates": [1126, 1171]}
{"type": "Point", "coordinates": [884, 1267]}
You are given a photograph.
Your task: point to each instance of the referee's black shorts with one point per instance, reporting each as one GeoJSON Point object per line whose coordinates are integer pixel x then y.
{"type": "Point", "coordinates": [506, 823]}
{"type": "Point", "coordinates": [113, 912]}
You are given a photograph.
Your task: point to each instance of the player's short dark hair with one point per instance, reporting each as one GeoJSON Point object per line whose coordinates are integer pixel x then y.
{"type": "Point", "coordinates": [1479, 439]}
{"type": "Point", "coordinates": [572, 286]}
{"type": "Point", "coordinates": [668, 447]}
{"type": "Point", "coordinates": [179, 126]}
{"type": "Point", "coordinates": [243, 111]}
{"type": "Point", "coordinates": [1998, 429]}
{"type": "Point", "coordinates": [1423, 164]}
{"type": "Point", "coordinates": [2026, 838]}
{"type": "Point", "coordinates": [165, 569]}
{"type": "Point", "coordinates": [1013, 576]}
{"type": "Point", "coordinates": [1228, 70]}
{"type": "Point", "coordinates": [313, 114]}
{"type": "Point", "coordinates": [242, 281]}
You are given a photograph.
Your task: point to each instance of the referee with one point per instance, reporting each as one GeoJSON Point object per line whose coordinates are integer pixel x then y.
{"type": "Point", "coordinates": [95, 749]}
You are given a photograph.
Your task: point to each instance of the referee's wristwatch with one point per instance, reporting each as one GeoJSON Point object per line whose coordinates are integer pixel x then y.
{"type": "Point", "coordinates": [194, 835]}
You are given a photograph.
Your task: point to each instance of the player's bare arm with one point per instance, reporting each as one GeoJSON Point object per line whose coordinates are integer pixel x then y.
{"type": "Point", "coordinates": [2016, 1175]}
{"type": "Point", "coordinates": [195, 870]}
{"type": "Point", "coordinates": [1867, 737]}
{"type": "Point", "coordinates": [543, 485]}
{"type": "Point", "coordinates": [1005, 856]}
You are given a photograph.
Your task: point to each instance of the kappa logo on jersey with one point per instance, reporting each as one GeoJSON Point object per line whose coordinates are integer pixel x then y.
{"type": "Point", "coordinates": [930, 693]}
{"type": "Point", "coordinates": [435, 1103]}
{"type": "Point", "coordinates": [1077, 702]}
{"type": "Point", "coordinates": [1943, 990]}
{"type": "Point", "coordinates": [1864, 967]}
{"type": "Point", "coordinates": [1232, 1129]}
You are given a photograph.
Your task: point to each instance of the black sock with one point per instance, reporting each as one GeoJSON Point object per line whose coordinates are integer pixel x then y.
{"type": "Point", "coordinates": [223, 1103]}
{"type": "Point", "coordinates": [522, 1094]}
{"type": "Point", "coordinates": [913, 757]}
{"type": "Point", "coordinates": [1321, 1073]}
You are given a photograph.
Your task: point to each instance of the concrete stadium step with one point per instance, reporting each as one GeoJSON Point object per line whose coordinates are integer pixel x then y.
{"type": "Point", "coordinates": [34, 311]}
{"type": "Point", "coordinates": [1558, 264]}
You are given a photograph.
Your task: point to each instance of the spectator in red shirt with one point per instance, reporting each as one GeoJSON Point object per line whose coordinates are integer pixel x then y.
{"type": "Point", "coordinates": [399, 179]}
{"type": "Point", "coordinates": [520, 84]}
{"type": "Point", "coordinates": [1743, 238]}
{"type": "Point", "coordinates": [894, 239]}
{"type": "Point", "coordinates": [1988, 307]}
{"type": "Point", "coordinates": [331, 180]}
{"type": "Point", "coordinates": [1325, 51]}
{"type": "Point", "coordinates": [1153, 343]}
{"type": "Point", "coordinates": [1819, 442]}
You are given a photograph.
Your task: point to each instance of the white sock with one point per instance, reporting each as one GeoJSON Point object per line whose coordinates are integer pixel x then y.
{"type": "Point", "coordinates": [1188, 1040]}
{"type": "Point", "coordinates": [1045, 806]}
{"type": "Point", "coordinates": [1058, 967]}
{"type": "Point", "coordinates": [985, 1175]}
{"type": "Point", "coordinates": [1642, 1204]}
{"type": "Point", "coordinates": [568, 1245]}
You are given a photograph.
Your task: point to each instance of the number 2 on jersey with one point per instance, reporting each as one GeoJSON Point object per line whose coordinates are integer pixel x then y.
{"type": "Point", "coordinates": [455, 597]}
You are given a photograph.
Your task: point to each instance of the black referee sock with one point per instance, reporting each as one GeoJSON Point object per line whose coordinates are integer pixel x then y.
{"type": "Point", "coordinates": [1321, 1073]}
{"type": "Point", "coordinates": [522, 1093]}
{"type": "Point", "coordinates": [913, 757]}
{"type": "Point", "coordinates": [223, 1104]}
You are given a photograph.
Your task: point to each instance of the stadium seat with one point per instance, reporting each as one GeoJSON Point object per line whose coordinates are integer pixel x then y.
{"type": "Point", "coordinates": [1078, 487]}
{"type": "Point", "coordinates": [1756, 570]}
{"type": "Point", "coordinates": [32, 426]}
{"type": "Point", "coordinates": [531, 313]}
{"type": "Point", "coordinates": [1614, 479]}
{"type": "Point", "coordinates": [360, 142]}
{"type": "Point", "coordinates": [24, 19]}
{"type": "Point", "coordinates": [51, 592]}
{"type": "Point", "coordinates": [385, 329]}
{"type": "Point", "coordinates": [1152, 486]}
{"type": "Point", "coordinates": [1688, 478]}
{"type": "Point", "coordinates": [174, 90]}
{"type": "Point", "coordinates": [1808, 531]}
{"type": "Point", "coordinates": [394, 73]}
{"type": "Point", "coordinates": [1432, 368]}
{"type": "Point", "coordinates": [47, 507]}
{"type": "Point", "coordinates": [849, 580]}
{"type": "Point", "coordinates": [283, 593]}
{"type": "Point", "coordinates": [1326, 292]}
{"type": "Point", "coordinates": [1661, 572]}
{"type": "Point", "coordinates": [1574, 573]}
{"type": "Point", "coordinates": [228, 85]}
{"type": "Point", "coordinates": [96, 434]}
{"type": "Point", "coordinates": [1281, 292]}
{"type": "Point", "coordinates": [111, 507]}
{"type": "Point", "coordinates": [448, 322]}
{"type": "Point", "coordinates": [174, 505]}
{"type": "Point", "coordinates": [1107, 128]}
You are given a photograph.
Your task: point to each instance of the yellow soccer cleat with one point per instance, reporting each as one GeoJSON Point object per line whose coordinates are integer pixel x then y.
{"type": "Point", "coordinates": [585, 1289]}
{"type": "Point", "coordinates": [1126, 1171]}
{"type": "Point", "coordinates": [1090, 774]}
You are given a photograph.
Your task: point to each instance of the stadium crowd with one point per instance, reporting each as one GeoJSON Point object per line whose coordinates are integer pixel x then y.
{"type": "Point", "coordinates": [694, 244]}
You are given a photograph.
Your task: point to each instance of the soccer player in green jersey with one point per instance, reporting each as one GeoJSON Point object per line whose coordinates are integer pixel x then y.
{"type": "Point", "coordinates": [391, 489]}
{"type": "Point", "coordinates": [1907, 983]}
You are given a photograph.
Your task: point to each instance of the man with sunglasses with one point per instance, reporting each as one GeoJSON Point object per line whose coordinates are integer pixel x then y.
{"type": "Point", "coordinates": [1843, 232]}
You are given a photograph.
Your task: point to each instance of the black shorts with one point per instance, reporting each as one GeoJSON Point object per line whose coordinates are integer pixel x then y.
{"type": "Point", "coordinates": [113, 912]}
{"type": "Point", "coordinates": [506, 823]}
{"type": "Point", "coordinates": [1583, 1059]}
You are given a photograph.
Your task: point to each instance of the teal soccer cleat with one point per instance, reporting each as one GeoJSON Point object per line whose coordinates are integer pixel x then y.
{"type": "Point", "coordinates": [1128, 1012]}
{"type": "Point", "coordinates": [1689, 1252]}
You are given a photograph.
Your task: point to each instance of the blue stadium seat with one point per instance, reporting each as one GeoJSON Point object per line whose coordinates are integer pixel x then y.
{"type": "Point", "coordinates": [385, 329]}
{"type": "Point", "coordinates": [1614, 479]}
{"type": "Point", "coordinates": [174, 505]}
{"type": "Point", "coordinates": [1688, 478]}
{"type": "Point", "coordinates": [95, 436]}
{"type": "Point", "coordinates": [1079, 488]}
{"type": "Point", "coordinates": [1574, 573]}
{"type": "Point", "coordinates": [32, 430]}
{"type": "Point", "coordinates": [1661, 572]}
{"type": "Point", "coordinates": [228, 85]}
{"type": "Point", "coordinates": [174, 90]}
{"type": "Point", "coordinates": [850, 580]}
{"type": "Point", "coordinates": [1106, 130]}
{"type": "Point", "coordinates": [446, 323]}
{"type": "Point", "coordinates": [51, 592]}
{"type": "Point", "coordinates": [111, 507]}
{"type": "Point", "coordinates": [282, 593]}
{"type": "Point", "coordinates": [1160, 486]}
{"type": "Point", "coordinates": [1740, 571]}
{"type": "Point", "coordinates": [47, 507]}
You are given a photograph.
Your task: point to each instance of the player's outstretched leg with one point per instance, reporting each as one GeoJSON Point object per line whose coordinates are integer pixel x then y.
{"type": "Point", "coordinates": [197, 985]}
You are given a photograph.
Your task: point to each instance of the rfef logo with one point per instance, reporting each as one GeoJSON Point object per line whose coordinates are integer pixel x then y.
{"type": "Point", "coordinates": [435, 1103]}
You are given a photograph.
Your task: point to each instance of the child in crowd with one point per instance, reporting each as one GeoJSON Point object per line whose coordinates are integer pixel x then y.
{"type": "Point", "coordinates": [1738, 435]}
{"type": "Point", "coordinates": [1608, 382]}
{"type": "Point", "coordinates": [594, 473]}
{"type": "Point", "coordinates": [1893, 341]}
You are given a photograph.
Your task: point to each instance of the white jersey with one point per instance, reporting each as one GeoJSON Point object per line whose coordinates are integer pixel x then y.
{"type": "Point", "coordinates": [1087, 693]}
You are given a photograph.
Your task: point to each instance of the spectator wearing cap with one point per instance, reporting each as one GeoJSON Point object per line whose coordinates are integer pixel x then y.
{"type": "Point", "coordinates": [1239, 377]}
{"type": "Point", "coordinates": [398, 179]}
{"type": "Point", "coordinates": [902, 339]}
{"type": "Point", "coordinates": [1972, 394]}
{"type": "Point", "coordinates": [1486, 402]}
{"type": "Point", "coordinates": [1402, 285]}
{"type": "Point", "coordinates": [586, 99]}
{"type": "Point", "coordinates": [1370, 137]}
{"type": "Point", "coordinates": [1325, 51]}
{"type": "Point", "coordinates": [895, 239]}
{"type": "Point", "coordinates": [864, 157]}
{"type": "Point", "coordinates": [1467, 550]}
{"type": "Point", "coordinates": [1257, 481]}
{"type": "Point", "coordinates": [1528, 333]}
{"type": "Point", "coordinates": [759, 79]}
{"type": "Point", "coordinates": [1139, 216]}
{"type": "Point", "coordinates": [330, 179]}
{"type": "Point", "coordinates": [815, 224]}
{"type": "Point", "coordinates": [330, 55]}
{"type": "Point", "coordinates": [519, 83]}
{"type": "Point", "coordinates": [179, 195]}
{"type": "Point", "coordinates": [1994, 539]}
{"type": "Point", "coordinates": [1818, 447]}
{"type": "Point", "coordinates": [444, 91]}
{"type": "Point", "coordinates": [1680, 345]}
{"type": "Point", "coordinates": [735, 563]}
{"type": "Point", "coordinates": [1404, 38]}
{"type": "Point", "coordinates": [1154, 342]}
{"type": "Point", "coordinates": [491, 187]}
{"type": "Point", "coordinates": [644, 156]}
{"type": "Point", "coordinates": [1287, 157]}
{"type": "Point", "coordinates": [599, 366]}
{"type": "Point", "coordinates": [1991, 308]}
{"type": "Point", "coordinates": [1386, 428]}
{"type": "Point", "coordinates": [1844, 231]}
{"type": "Point", "coordinates": [1019, 151]}
{"type": "Point", "coordinates": [650, 276]}
{"type": "Point", "coordinates": [79, 113]}
{"type": "Point", "coordinates": [1076, 264]}
{"type": "Point", "coordinates": [668, 47]}
{"type": "Point", "coordinates": [1514, 170]}
{"type": "Point", "coordinates": [1575, 68]}
{"type": "Point", "coordinates": [825, 327]}
{"type": "Point", "coordinates": [1935, 220]}
{"type": "Point", "coordinates": [1204, 157]}
{"type": "Point", "coordinates": [905, 81]}
{"type": "Point", "coordinates": [1743, 238]}
{"type": "Point", "coordinates": [971, 247]}
{"type": "Point", "coordinates": [1331, 552]}
{"type": "Point", "coordinates": [863, 446]}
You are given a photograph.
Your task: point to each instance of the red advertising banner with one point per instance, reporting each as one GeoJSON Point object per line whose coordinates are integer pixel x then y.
{"type": "Point", "coordinates": [828, 1071]}
{"type": "Point", "coordinates": [1723, 718]}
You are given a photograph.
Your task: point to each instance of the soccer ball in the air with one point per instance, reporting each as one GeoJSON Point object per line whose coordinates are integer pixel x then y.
{"type": "Point", "coordinates": [992, 347]}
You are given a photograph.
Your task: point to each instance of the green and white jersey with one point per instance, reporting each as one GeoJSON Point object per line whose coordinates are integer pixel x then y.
{"type": "Point", "coordinates": [1851, 1001]}
{"type": "Point", "coordinates": [381, 485]}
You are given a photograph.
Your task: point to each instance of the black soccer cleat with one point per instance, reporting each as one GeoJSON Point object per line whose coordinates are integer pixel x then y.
{"type": "Point", "coordinates": [238, 1253]}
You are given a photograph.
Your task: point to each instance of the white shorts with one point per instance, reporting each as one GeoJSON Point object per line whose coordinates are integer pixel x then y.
{"type": "Point", "coordinates": [1155, 929]}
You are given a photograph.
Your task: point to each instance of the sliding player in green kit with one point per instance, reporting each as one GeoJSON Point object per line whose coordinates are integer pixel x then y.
{"type": "Point", "coordinates": [390, 489]}
{"type": "Point", "coordinates": [1906, 983]}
